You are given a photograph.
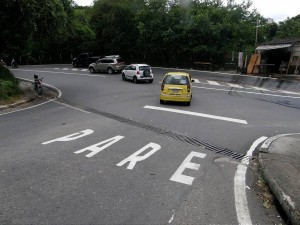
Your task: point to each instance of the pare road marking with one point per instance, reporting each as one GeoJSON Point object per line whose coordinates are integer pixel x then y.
{"type": "Point", "coordinates": [140, 155]}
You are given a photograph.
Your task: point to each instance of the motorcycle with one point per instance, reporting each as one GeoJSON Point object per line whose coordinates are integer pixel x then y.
{"type": "Point", "coordinates": [38, 84]}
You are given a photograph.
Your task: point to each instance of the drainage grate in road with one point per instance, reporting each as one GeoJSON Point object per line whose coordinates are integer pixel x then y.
{"type": "Point", "coordinates": [190, 140]}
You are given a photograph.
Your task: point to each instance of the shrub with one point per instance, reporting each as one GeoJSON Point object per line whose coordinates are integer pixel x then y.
{"type": "Point", "coordinates": [9, 85]}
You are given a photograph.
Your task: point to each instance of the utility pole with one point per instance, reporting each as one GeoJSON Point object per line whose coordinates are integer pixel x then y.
{"type": "Point", "coordinates": [256, 33]}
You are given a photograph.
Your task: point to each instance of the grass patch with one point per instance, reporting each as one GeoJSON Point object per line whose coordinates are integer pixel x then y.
{"type": "Point", "coordinates": [9, 85]}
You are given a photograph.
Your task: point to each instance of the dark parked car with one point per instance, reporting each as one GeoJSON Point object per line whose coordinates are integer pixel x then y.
{"type": "Point", "coordinates": [85, 59]}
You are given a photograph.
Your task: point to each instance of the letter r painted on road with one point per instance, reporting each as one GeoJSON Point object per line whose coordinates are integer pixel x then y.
{"type": "Point", "coordinates": [179, 177]}
{"type": "Point", "coordinates": [135, 157]}
{"type": "Point", "coordinates": [94, 149]}
{"type": "Point", "coordinates": [71, 137]}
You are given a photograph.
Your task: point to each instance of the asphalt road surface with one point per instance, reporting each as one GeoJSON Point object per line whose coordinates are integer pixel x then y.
{"type": "Point", "coordinates": [107, 152]}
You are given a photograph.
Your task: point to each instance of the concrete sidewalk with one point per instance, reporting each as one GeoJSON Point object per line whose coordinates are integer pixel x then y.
{"type": "Point", "coordinates": [279, 159]}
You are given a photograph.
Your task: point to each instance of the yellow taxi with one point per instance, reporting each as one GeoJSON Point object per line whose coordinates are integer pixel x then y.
{"type": "Point", "coordinates": [176, 87]}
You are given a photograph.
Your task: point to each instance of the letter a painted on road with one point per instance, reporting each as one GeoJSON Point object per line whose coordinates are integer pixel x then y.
{"type": "Point", "coordinates": [179, 177]}
{"type": "Point", "coordinates": [94, 149]}
{"type": "Point", "coordinates": [134, 158]}
{"type": "Point", "coordinates": [71, 137]}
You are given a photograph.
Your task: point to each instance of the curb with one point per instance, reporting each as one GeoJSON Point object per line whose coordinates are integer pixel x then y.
{"type": "Point", "coordinates": [56, 90]}
{"type": "Point", "coordinates": [13, 105]}
{"type": "Point", "coordinates": [285, 201]}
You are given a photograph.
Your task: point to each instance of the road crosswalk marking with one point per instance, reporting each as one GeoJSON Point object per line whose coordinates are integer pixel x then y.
{"type": "Point", "coordinates": [259, 88]}
{"type": "Point", "coordinates": [235, 85]}
{"type": "Point", "coordinates": [213, 82]}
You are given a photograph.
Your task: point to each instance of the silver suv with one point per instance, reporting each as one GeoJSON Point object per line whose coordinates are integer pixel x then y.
{"type": "Point", "coordinates": [108, 64]}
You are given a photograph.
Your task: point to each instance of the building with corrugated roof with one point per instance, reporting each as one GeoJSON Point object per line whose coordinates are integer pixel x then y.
{"type": "Point", "coordinates": [280, 55]}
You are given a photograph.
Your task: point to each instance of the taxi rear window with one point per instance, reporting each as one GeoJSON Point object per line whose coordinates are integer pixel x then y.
{"type": "Point", "coordinates": [176, 80]}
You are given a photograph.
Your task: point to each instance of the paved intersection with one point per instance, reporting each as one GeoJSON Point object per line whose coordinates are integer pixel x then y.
{"type": "Point", "coordinates": [97, 154]}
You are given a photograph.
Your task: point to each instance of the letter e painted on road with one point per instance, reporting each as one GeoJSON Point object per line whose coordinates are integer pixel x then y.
{"type": "Point", "coordinates": [187, 164]}
{"type": "Point", "coordinates": [94, 149]}
{"type": "Point", "coordinates": [71, 137]}
{"type": "Point", "coordinates": [135, 157]}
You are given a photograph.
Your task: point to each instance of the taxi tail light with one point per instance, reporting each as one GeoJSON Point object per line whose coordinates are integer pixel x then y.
{"type": "Point", "coordinates": [162, 86]}
{"type": "Point", "coordinates": [188, 87]}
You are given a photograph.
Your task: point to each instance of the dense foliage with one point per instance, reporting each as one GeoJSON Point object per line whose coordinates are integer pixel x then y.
{"type": "Point", "coordinates": [9, 85]}
{"type": "Point", "coordinates": [160, 32]}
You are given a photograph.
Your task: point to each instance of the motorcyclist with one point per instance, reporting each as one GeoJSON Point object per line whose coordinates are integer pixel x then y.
{"type": "Point", "coordinates": [36, 81]}
{"type": "Point", "coordinates": [14, 63]}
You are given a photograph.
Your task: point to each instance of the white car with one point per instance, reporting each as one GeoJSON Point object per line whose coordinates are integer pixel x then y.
{"type": "Point", "coordinates": [138, 72]}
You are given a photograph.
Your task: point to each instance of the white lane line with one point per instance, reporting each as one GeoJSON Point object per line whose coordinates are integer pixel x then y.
{"type": "Point", "coordinates": [196, 114]}
{"type": "Point", "coordinates": [77, 74]}
{"type": "Point", "coordinates": [74, 69]}
{"type": "Point", "coordinates": [213, 82]}
{"type": "Point", "coordinates": [196, 80]}
{"type": "Point", "coordinates": [240, 195]}
{"type": "Point", "coordinates": [84, 70]}
{"type": "Point", "coordinates": [56, 68]}
{"type": "Point", "coordinates": [172, 217]}
{"type": "Point", "coordinates": [65, 68]}
{"type": "Point", "coordinates": [248, 92]}
{"type": "Point", "coordinates": [234, 85]}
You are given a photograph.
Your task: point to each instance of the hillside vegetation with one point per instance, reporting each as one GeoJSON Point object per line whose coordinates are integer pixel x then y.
{"type": "Point", "coordinates": [9, 86]}
{"type": "Point", "coordinates": [159, 32]}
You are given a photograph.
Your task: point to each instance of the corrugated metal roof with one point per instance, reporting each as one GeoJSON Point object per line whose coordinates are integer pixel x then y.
{"type": "Point", "coordinates": [269, 47]}
{"type": "Point", "coordinates": [282, 41]}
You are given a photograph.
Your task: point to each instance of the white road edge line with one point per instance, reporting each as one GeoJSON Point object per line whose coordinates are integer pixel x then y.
{"type": "Point", "coordinates": [28, 107]}
{"type": "Point", "coordinates": [240, 195]}
{"type": "Point", "coordinates": [196, 114]}
{"type": "Point", "coordinates": [72, 107]}
{"type": "Point", "coordinates": [248, 92]}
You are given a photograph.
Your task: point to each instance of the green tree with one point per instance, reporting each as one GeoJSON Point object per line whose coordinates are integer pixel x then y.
{"type": "Point", "coordinates": [17, 24]}
{"type": "Point", "coordinates": [289, 28]}
{"type": "Point", "coordinates": [113, 23]}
